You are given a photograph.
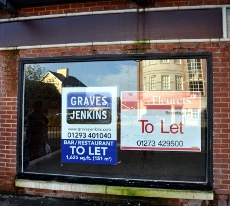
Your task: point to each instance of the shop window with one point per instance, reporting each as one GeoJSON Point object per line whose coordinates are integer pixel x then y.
{"type": "Point", "coordinates": [94, 120]}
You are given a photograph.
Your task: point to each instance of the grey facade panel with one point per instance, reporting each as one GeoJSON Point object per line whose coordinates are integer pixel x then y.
{"type": "Point", "coordinates": [160, 25]}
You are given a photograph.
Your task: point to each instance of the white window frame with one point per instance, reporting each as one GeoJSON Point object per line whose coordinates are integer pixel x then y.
{"type": "Point", "coordinates": [152, 62]}
{"type": "Point", "coordinates": [177, 61]}
{"type": "Point", "coordinates": [165, 82]}
{"type": "Point", "coordinates": [179, 82]}
{"type": "Point", "coordinates": [165, 61]}
{"type": "Point", "coordinates": [153, 82]}
{"type": "Point", "coordinates": [144, 83]}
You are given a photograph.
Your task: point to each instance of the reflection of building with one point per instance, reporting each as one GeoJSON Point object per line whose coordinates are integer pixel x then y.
{"type": "Point", "coordinates": [195, 75]}
{"type": "Point", "coordinates": [175, 75]}
{"type": "Point", "coordinates": [165, 75]}
{"type": "Point", "coordinates": [61, 79]}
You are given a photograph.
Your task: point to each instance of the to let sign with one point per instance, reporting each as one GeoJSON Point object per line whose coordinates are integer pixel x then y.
{"type": "Point", "coordinates": [163, 121]}
{"type": "Point", "coordinates": [89, 125]}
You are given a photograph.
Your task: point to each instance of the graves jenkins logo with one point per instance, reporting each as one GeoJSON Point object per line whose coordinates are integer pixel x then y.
{"type": "Point", "coordinates": [89, 108]}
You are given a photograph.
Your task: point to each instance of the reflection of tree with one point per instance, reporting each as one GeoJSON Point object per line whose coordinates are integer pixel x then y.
{"type": "Point", "coordinates": [34, 72]}
{"type": "Point", "coordinates": [37, 90]}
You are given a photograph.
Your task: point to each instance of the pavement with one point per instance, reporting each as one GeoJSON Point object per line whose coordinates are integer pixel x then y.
{"type": "Point", "coordinates": [23, 200]}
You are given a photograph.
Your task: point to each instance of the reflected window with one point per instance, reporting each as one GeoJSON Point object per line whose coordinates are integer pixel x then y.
{"type": "Point", "coordinates": [165, 82]}
{"type": "Point", "coordinates": [195, 114]}
{"type": "Point", "coordinates": [177, 61]}
{"type": "Point", "coordinates": [195, 75]}
{"type": "Point", "coordinates": [153, 61]}
{"type": "Point", "coordinates": [153, 82]}
{"type": "Point", "coordinates": [145, 83]}
{"type": "Point", "coordinates": [165, 61]}
{"type": "Point", "coordinates": [196, 86]}
{"type": "Point", "coordinates": [179, 85]}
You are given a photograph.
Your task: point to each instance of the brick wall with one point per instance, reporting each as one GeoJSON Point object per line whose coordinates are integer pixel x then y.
{"type": "Point", "coordinates": [101, 5]}
{"type": "Point", "coordinates": [8, 118]}
{"type": "Point", "coordinates": [110, 5]}
{"type": "Point", "coordinates": [221, 83]}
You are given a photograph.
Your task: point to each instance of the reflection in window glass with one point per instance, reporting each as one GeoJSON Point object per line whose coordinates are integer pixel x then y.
{"type": "Point", "coordinates": [177, 61]}
{"type": "Point", "coordinates": [165, 61]}
{"type": "Point", "coordinates": [153, 62]}
{"type": "Point", "coordinates": [145, 83]}
{"type": "Point", "coordinates": [153, 82]}
{"type": "Point", "coordinates": [43, 83]}
{"type": "Point", "coordinates": [195, 114]}
{"type": "Point", "coordinates": [179, 85]}
{"type": "Point", "coordinates": [165, 82]}
{"type": "Point", "coordinates": [195, 75]}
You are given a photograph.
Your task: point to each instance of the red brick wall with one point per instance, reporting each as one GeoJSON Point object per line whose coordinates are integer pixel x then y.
{"type": "Point", "coordinates": [221, 83]}
{"type": "Point", "coordinates": [78, 7]}
{"type": "Point", "coordinates": [84, 6]}
{"type": "Point", "coordinates": [5, 15]}
{"type": "Point", "coordinates": [8, 118]}
{"type": "Point", "coordinates": [8, 88]}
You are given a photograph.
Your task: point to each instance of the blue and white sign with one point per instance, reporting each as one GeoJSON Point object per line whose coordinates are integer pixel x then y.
{"type": "Point", "coordinates": [89, 125]}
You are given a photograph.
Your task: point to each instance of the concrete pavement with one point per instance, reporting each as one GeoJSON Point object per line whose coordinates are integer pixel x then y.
{"type": "Point", "coordinates": [23, 200]}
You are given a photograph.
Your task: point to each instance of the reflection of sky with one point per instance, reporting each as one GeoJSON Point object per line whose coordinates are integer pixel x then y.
{"type": "Point", "coordinates": [104, 73]}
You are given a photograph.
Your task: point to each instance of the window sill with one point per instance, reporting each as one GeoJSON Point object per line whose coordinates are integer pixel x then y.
{"type": "Point", "coordinates": [116, 190]}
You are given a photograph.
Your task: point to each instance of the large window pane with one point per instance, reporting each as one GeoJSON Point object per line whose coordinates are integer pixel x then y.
{"type": "Point", "coordinates": [42, 113]}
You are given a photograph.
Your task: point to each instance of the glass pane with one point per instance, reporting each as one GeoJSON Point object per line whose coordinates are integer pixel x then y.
{"type": "Point", "coordinates": [42, 124]}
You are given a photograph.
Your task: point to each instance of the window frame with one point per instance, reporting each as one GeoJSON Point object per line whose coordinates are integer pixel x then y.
{"type": "Point", "coordinates": [164, 83]}
{"type": "Point", "coordinates": [153, 85]}
{"type": "Point", "coordinates": [164, 61]}
{"type": "Point", "coordinates": [122, 182]}
{"type": "Point", "coordinates": [179, 83]}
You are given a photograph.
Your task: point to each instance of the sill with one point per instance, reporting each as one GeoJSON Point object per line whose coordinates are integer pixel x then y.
{"type": "Point", "coordinates": [116, 190]}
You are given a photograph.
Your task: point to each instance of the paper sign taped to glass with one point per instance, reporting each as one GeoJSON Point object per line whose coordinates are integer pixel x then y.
{"type": "Point", "coordinates": [89, 125]}
{"type": "Point", "coordinates": [161, 121]}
